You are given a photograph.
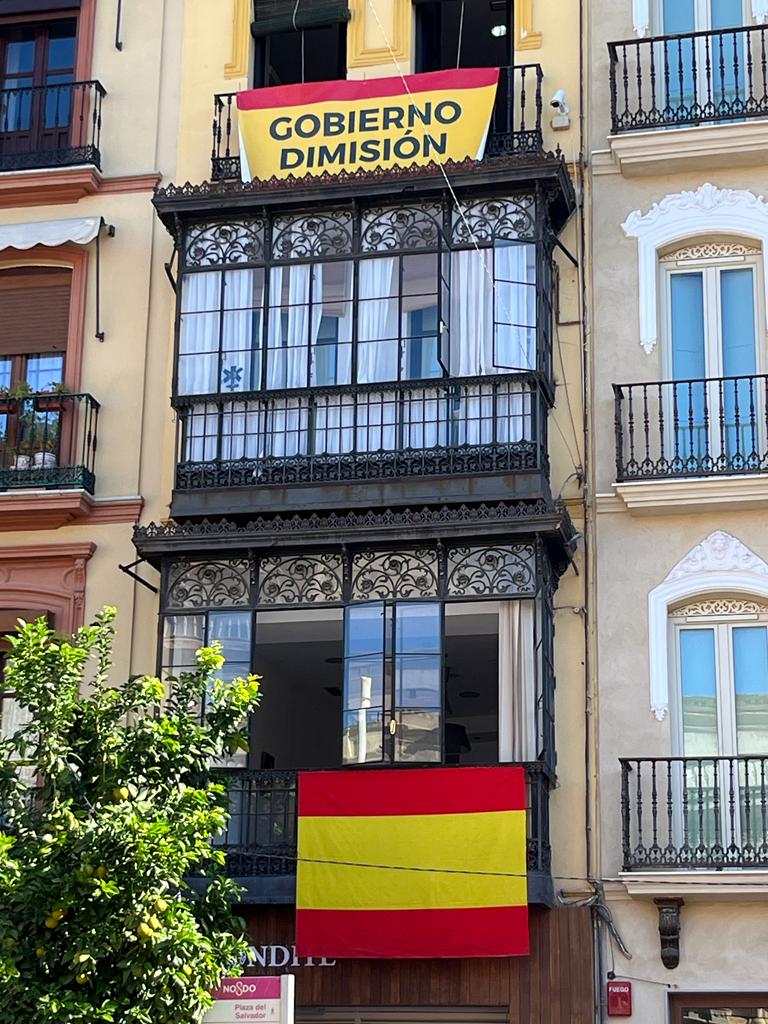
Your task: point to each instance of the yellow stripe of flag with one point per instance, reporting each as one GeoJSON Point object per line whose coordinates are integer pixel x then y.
{"type": "Point", "coordinates": [479, 847]}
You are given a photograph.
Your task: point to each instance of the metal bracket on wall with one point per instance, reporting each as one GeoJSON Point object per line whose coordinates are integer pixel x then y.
{"type": "Point", "coordinates": [118, 25]}
{"type": "Point", "coordinates": [669, 930]}
{"type": "Point", "coordinates": [169, 267]}
{"type": "Point", "coordinates": [110, 229]}
{"type": "Point", "coordinates": [128, 570]}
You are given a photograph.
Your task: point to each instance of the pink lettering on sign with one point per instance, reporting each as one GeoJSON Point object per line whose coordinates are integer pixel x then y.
{"type": "Point", "coordinates": [248, 988]}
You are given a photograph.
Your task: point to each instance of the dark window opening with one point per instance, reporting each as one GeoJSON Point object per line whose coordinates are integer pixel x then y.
{"type": "Point", "coordinates": [306, 55]}
{"type": "Point", "coordinates": [462, 33]}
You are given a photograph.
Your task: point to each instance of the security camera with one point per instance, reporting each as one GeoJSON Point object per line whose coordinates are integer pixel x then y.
{"type": "Point", "coordinates": [558, 102]}
{"type": "Point", "coordinates": [561, 120]}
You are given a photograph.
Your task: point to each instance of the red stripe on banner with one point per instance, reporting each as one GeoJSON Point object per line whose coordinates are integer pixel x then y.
{"type": "Point", "coordinates": [369, 89]}
{"type": "Point", "coordinates": [411, 791]}
{"type": "Point", "coordinates": [417, 934]}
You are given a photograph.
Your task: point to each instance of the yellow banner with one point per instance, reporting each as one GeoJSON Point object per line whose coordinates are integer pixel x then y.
{"type": "Point", "coordinates": [333, 127]}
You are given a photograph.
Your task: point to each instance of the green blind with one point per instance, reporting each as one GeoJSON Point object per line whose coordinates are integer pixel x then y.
{"type": "Point", "coordinates": [286, 15]}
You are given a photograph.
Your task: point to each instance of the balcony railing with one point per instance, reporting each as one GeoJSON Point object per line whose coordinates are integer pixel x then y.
{"type": "Point", "coordinates": [705, 427]}
{"type": "Point", "coordinates": [261, 837]}
{"type": "Point", "coordinates": [694, 812]}
{"type": "Point", "coordinates": [493, 424]}
{"type": "Point", "coordinates": [48, 441]}
{"type": "Point", "coordinates": [515, 122]}
{"type": "Point", "coordinates": [51, 125]}
{"type": "Point", "coordinates": [689, 79]}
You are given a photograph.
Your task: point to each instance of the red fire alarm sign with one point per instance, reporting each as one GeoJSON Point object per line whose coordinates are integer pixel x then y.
{"type": "Point", "coordinates": [619, 998]}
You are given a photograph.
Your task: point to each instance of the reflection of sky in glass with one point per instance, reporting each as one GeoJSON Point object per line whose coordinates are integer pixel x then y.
{"type": "Point", "coordinates": [699, 686]}
{"type": "Point", "coordinates": [364, 630]}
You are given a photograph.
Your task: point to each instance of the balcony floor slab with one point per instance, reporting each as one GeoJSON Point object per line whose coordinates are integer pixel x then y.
{"type": "Point", "coordinates": [696, 148]}
{"type": "Point", "coordinates": [736, 884]}
{"type": "Point", "coordinates": [705, 494]}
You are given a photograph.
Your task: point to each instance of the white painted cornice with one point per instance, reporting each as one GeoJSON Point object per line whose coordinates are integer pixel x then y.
{"type": "Point", "coordinates": [683, 215]}
{"type": "Point", "coordinates": [719, 563]}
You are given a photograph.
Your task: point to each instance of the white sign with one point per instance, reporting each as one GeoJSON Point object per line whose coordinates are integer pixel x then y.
{"type": "Point", "coordinates": [253, 1001]}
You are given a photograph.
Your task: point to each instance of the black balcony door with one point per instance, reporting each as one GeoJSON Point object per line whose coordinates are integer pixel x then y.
{"type": "Point", "coordinates": [37, 63]}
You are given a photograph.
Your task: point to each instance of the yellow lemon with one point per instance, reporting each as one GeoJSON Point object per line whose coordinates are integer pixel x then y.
{"type": "Point", "coordinates": [143, 932]}
{"type": "Point", "coordinates": [40, 951]}
{"type": "Point", "coordinates": [101, 871]}
{"type": "Point", "coordinates": [187, 970]}
{"type": "Point", "coordinates": [51, 922]}
{"type": "Point", "coordinates": [81, 978]}
{"type": "Point", "coordinates": [161, 905]}
{"type": "Point", "coordinates": [154, 923]}
{"type": "Point", "coordinates": [120, 793]}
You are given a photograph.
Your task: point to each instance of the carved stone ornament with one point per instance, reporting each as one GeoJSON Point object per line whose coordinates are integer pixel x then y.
{"type": "Point", "coordinates": [709, 251]}
{"type": "Point", "coordinates": [721, 606]}
{"type": "Point", "coordinates": [669, 930]}
{"type": "Point", "coordinates": [681, 216]}
{"type": "Point", "coordinates": [720, 564]}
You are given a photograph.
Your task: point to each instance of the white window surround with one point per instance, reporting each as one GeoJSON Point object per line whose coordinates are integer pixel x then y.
{"type": "Point", "coordinates": [719, 564]}
{"type": "Point", "coordinates": [641, 14]}
{"type": "Point", "coordinates": [685, 215]}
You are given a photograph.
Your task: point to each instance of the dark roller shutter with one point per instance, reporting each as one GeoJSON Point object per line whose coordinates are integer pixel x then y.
{"type": "Point", "coordinates": [8, 7]}
{"type": "Point", "coordinates": [34, 311]}
{"type": "Point", "coordinates": [286, 15]}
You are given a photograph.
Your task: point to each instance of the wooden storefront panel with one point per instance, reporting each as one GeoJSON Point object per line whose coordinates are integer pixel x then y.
{"type": "Point", "coordinates": [554, 985]}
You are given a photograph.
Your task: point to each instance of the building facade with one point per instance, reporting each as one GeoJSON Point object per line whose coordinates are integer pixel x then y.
{"type": "Point", "coordinates": [83, 325]}
{"type": "Point", "coordinates": [678, 107]}
{"type": "Point", "coordinates": [370, 490]}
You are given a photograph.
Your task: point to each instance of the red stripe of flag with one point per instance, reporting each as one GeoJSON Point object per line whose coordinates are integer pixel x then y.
{"type": "Point", "coordinates": [397, 934]}
{"type": "Point", "coordinates": [411, 791]}
{"type": "Point", "coordinates": [370, 89]}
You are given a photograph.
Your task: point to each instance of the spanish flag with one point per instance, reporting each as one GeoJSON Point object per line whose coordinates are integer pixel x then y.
{"type": "Point", "coordinates": [425, 862]}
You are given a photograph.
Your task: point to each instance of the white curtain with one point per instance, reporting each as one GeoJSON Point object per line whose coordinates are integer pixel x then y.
{"type": "Point", "coordinates": [517, 682]}
{"type": "Point", "coordinates": [241, 333]}
{"type": "Point", "coordinates": [377, 356]}
{"type": "Point", "coordinates": [199, 335]}
{"type": "Point", "coordinates": [641, 16]}
{"type": "Point", "coordinates": [335, 414]}
{"type": "Point", "coordinates": [471, 349]}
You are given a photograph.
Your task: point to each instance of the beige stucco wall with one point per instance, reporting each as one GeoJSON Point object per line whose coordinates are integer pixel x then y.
{"type": "Point", "coordinates": [723, 936]}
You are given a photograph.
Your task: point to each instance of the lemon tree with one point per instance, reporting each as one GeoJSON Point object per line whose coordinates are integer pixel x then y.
{"type": "Point", "coordinates": [114, 905]}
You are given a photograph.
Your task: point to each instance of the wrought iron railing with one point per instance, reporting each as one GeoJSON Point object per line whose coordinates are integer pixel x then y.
{"type": "Point", "coordinates": [688, 79]}
{"type": "Point", "coordinates": [48, 440]}
{"type": "Point", "coordinates": [694, 812]}
{"type": "Point", "coordinates": [51, 125]}
{"type": "Point", "coordinates": [515, 123]}
{"type": "Point", "coordinates": [714, 426]}
{"type": "Point", "coordinates": [491, 424]}
{"type": "Point", "coordinates": [261, 836]}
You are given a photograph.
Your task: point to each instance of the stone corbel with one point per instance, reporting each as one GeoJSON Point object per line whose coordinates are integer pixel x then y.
{"type": "Point", "coordinates": [669, 930]}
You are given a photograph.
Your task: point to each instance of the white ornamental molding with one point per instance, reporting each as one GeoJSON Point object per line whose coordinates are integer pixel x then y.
{"type": "Point", "coordinates": [641, 16]}
{"type": "Point", "coordinates": [721, 563]}
{"type": "Point", "coordinates": [683, 216]}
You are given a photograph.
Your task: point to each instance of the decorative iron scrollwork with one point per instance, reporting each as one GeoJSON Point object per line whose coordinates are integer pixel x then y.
{"type": "Point", "coordinates": [210, 245]}
{"type": "Point", "coordinates": [401, 227]}
{"type": "Point", "coordinates": [301, 579]}
{"type": "Point", "coordinates": [209, 584]}
{"type": "Point", "coordinates": [311, 234]}
{"type": "Point", "coordinates": [491, 220]}
{"type": "Point", "coordinates": [500, 571]}
{"type": "Point", "coordinates": [383, 575]}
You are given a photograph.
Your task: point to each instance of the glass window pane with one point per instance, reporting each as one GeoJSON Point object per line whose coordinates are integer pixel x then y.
{"type": "Point", "coordinates": [61, 45]}
{"type": "Point", "coordinates": [364, 682]}
{"type": "Point", "coordinates": [363, 736]}
{"type": "Point", "coordinates": [419, 275]}
{"type": "Point", "coordinates": [750, 671]}
{"type": "Point", "coordinates": [699, 692]}
{"type": "Point", "coordinates": [418, 628]}
{"type": "Point", "coordinates": [418, 680]}
{"type": "Point", "coordinates": [687, 301]}
{"type": "Point", "coordinates": [418, 736]}
{"type": "Point", "coordinates": [364, 629]}
{"type": "Point", "coordinates": [6, 364]}
{"type": "Point", "coordinates": [183, 635]}
{"type": "Point", "coordinates": [43, 372]}
{"type": "Point", "coordinates": [201, 292]}
{"type": "Point", "coordinates": [233, 631]}
{"type": "Point", "coordinates": [737, 295]}
{"type": "Point", "coordinates": [20, 52]}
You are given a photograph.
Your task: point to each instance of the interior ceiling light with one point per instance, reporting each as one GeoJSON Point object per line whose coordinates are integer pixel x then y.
{"type": "Point", "coordinates": [499, 31]}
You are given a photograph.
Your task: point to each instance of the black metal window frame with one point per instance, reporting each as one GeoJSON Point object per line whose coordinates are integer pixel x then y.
{"type": "Point", "coordinates": [338, 234]}
{"type": "Point", "coordinates": [216, 588]}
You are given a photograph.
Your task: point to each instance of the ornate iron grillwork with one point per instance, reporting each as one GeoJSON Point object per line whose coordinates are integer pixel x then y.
{"type": "Point", "coordinates": [499, 571]}
{"type": "Point", "coordinates": [687, 79]}
{"type": "Point", "coordinates": [715, 426]}
{"type": "Point", "coordinates": [261, 835]}
{"type": "Point", "coordinates": [232, 242]}
{"type": "Point", "coordinates": [489, 220]}
{"type": "Point", "coordinates": [515, 121]}
{"type": "Point", "coordinates": [301, 579]}
{"type": "Point", "coordinates": [694, 812]}
{"type": "Point", "coordinates": [309, 235]}
{"type": "Point", "coordinates": [208, 584]}
{"type": "Point", "coordinates": [401, 227]}
{"type": "Point", "coordinates": [386, 575]}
